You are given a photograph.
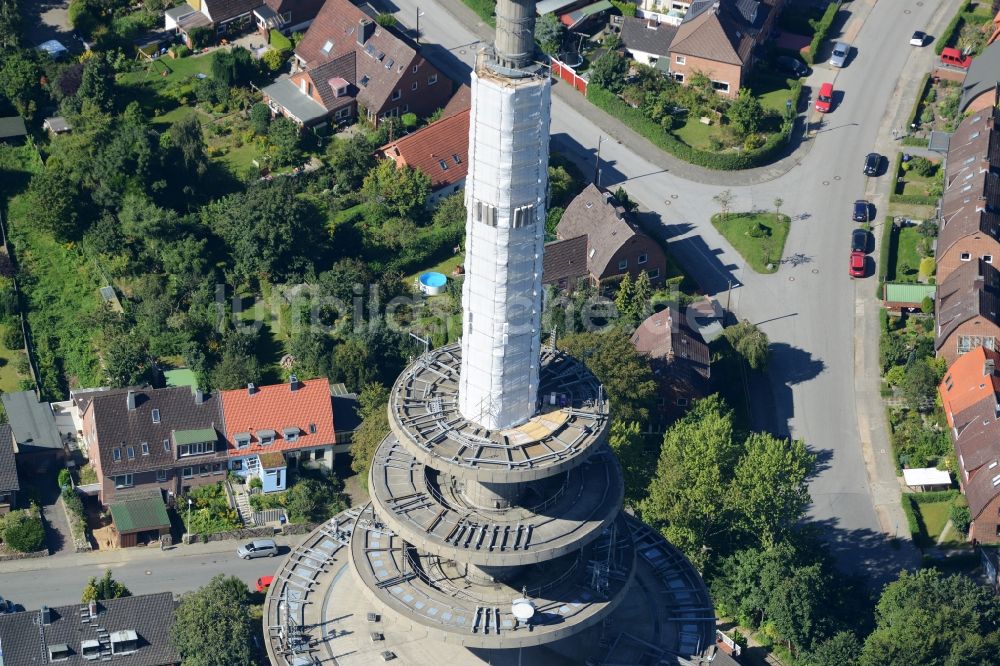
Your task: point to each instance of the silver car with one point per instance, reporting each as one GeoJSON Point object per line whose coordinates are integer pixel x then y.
{"type": "Point", "coordinates": [258, 548]}
{"type": "Point", "coordinates": [839, 55]}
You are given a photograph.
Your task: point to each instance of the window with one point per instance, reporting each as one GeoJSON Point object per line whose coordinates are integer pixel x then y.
{"type": "Point", "coordinates": [130, 452]}
{"type": "Point", "coordinates": [678, 77]}
{"type": "Point", "coordinates": [623, 265]}
{"type": "Point", "coordinates": [364, 81]}
{"type": "Point", "coordinates": [485, 213]}
{"type": "Point", "coordinates": [680, 60]}
{"type": "Point", "coordinates": [195, 449]}
{"type": "Point", "coordinates": [643, 259]}
{"type": "Point", "coordinates": [965, 256]}
{"type": "Point", "coordinates": [123, 481]}
{"type": "Point", "coordinates": [432, 79]}
{"type": "Point", "coordinates": [988, 258]}
{"type": "Point", "coordinates": [406, 107]}
{"type": "Point", "coordinates": [242, 440]}
{"type": "Point", "coordinates": [156, 416]}
{"type": "Point", "coordinates": [116, 454]}
{"type": "Point", "coordinates": [59, 652]}
{"type": "Point", "coordinates": [967, 343]}
{"type": "Point", "coordinates": [414, 85]}
{"type": "Point", "coordinates": [312, 428]}
{"type": "Point", "coordinates": [205, 470]}
{"type": "Point", "coordinates": [458, 160]}
{"type": "Point", "coordinates": [655, 273]}
{"type": "Point", "coordinates": [682, 402]}
{"type": "Point", "coordinates": [523, 216]}
{"type": "Point", "coordinates": [161, 475]}
{"type": "Point", "coordinates": [416, 68]}
{"type": "Point", "coordinates": [217, 468]}
{"type": "Point", "coordinates": [396, 94]}
{"type": "Point", "coordinates": [266, 437]}
{"type": "Point", "coordinates": [166, 445]}
{"type": "Point", "coordinates": [291, 434]}
{"type": "Point", "coordinates": [720, 86]}
{"type": "Point", "coordinates": [237, 464]}
{"type": "Point", "coordinates": [327, 47]}
{"type": "Point", "coordinates": [145, 448]}
{"type": "Point", "coordinates": [320, 454]}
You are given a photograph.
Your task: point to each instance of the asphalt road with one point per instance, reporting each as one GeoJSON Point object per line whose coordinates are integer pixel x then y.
{"type": "Point", "coordinates": [59, 580]}
{"type": "Point", "coordinates": [808, 308]}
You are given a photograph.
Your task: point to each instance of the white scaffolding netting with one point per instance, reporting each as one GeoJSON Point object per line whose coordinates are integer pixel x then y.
{"type": "Point", "coordinates": [505, 232]}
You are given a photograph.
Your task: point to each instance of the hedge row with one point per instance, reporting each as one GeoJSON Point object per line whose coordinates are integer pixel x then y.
{"type": "Point", "coordinates": [915, 199]}
{"type": "Point", "coordinates": [911, 520]}
{"type": "Point", "coordinates": [949, 32]}
{"type": "Point", "coordinates": [916, 141]}
{"type": "Point", "coordinates": [822, 28]}
{"type": "Point", "coordinates": [935, 496]}
{"type": "Point", "coordinates": [654, 132]}
{"type": "Point", "coordinates": [883, 254]}
{"type": "Point", "coordinates": [921, 93]}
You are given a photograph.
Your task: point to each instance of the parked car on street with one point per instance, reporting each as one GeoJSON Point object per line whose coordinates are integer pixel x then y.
{"type": "Point", "coordinates": [955, 58]}
{"type": "Point", "coordinates": [6, 606]}
{"type": "Point", "coordinates": [258, 548]}
{"type": "Point", "coordinates": [840, 52]}
{"type": "Point", "coordinates": [824, 101]}
{"type": "Point", "coordinates": [861, 211]}
{"type": "Point", "coordinates": [872, 163]}
{"type": "Point", "coordinates": [264, 582]}
{"type": "Point", "coordinates": [859, 241]}
{"type": "Point", "coordinates": [857, 264]}
{"type": "Point", "coordinates": [919, 38]}
{"type": "Point", "coordinates": [792, 66]}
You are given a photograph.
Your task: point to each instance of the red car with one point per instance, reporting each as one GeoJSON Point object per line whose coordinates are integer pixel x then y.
{"type": "Point", "coordinates": [824, 102]}
{"type": "Point", "coordinates": [955, 58]}
{"type": "Point", "coordinates": [857, 264]}
{"type": "Point", "coordinates": [264, 582]}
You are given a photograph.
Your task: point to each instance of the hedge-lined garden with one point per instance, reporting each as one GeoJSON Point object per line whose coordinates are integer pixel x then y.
{"type": "Point", "coordinates": [822, 29]}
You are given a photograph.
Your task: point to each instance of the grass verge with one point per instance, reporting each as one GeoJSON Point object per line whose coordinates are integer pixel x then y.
{"type": "Point", "coordinates": [758, 237]}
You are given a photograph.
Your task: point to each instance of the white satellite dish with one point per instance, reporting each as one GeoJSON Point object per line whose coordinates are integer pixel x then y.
{"type": "Point", "coordinates": [522, 609]}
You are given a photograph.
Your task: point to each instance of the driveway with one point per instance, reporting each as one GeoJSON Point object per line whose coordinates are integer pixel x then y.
{"type": "Point", "coordinates": [58, 538]}
{"type": "Point", "coordinates": [810, 308]}
{"type": "Point", "coordinates": [48, 19]}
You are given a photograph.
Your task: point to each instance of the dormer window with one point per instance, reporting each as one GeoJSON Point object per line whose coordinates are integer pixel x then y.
{"type": "Point", "coordinates": [90, 649]}
{"type": "Point", "coordinates": [123, 642]}
{"type": "Point", "coordinates": [116, 454]}
{"type": "Point", "coordinates": [266, 437]}
{"type": "Point", "coordinates": [59, 652]}
{"type": "Point", "coordinates": [156, 416]}
{"type": "Point", "coordinates": [242, 440]}
{"type": "Point", "coordinates": [291, 434]}
{"type": "Point", "coordinates": [130, 452]}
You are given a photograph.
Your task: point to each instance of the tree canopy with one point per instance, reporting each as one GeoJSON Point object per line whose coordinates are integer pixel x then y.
{"type": "Point", "coordinates": [105, 587]}
{"type": "Point", "coordinates": [212, 625]}
{"type": "Point", "coordinates": [749, 342]}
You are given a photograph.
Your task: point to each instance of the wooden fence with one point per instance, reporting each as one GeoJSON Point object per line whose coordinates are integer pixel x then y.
{"type": "Point", "coordinates": [563, 71]}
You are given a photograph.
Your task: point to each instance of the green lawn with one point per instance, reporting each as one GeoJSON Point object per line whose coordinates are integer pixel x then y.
{"type": "Point", "coordinates": [757, 251]}
{"type": "Point", "coordinates": [934, 516]}
{"type": "Point", "coordinates": [180, 113]}
{"type": "Point", "coordinates": [8, 373]}
{"type": "Point", "coordinates": [445, 267]}
{"type": "Point", "coordinates": [772, 89]}
{"type": "Point", "coordinates": [177, 71]}
{"type": "Point", "coordinates": [903, 252]}
{"type": "Point", "coordinates": [695, 134]}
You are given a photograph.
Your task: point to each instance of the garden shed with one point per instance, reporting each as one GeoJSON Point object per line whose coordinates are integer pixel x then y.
{"type": "Point", "coordinates": [140, 517]}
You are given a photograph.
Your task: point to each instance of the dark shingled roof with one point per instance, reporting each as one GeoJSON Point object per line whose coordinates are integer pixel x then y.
{"type": "Point", "coordinates": [971, 290]}
{"type": "Point", "coordinates": [665, 335]}
{"type": "Point", "coordinates": [719, 30]}
{"type": "Point", "coordinates": [970, 205]}
{"type": "Point", "coordinates": [339, 68]}
{"type": "Point", "coordinates": [26, 639]}
{"type": "Point", "coordinates": [565, 260]}
{"type": "Point", "coordinates": [119, 427]}
{"type": "Point", "coordinates": [223, 10]}
{"type": "Point", "coordinates": [32, 421]}
{"type": "Point", "coordinates": [646, 35]}
{"type": "Point", "coordinates": [8, 469]}
{"type": "Point", "coordinates": [974, 145]}
{"type": "Point", "coordinates": [982, 75]}
{"type": "Point", "coordinates": [12, 127]}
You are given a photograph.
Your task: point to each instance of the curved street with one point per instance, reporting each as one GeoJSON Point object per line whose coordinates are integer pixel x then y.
{"type": "Point", "coordinates": [823, 382]}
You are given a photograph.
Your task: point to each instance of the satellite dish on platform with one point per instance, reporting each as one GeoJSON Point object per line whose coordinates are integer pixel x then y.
{"type": "Point", "coordinates": [522, 609]}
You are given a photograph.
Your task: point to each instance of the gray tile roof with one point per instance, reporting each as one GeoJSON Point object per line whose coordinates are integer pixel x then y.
{"type": "Point", "coordinates": [983, 75]}
{"type": "Point", "coordinates": [26, 639]}
{"type": "Point", "coordinates": [343, 68]}
{"type": "Point", "coordinates": [971, 290]}
{"type": "Point", "coordinates": [12, 126]}
{"type": "Point", "coordinates": [8, 470]}
{"type": "Point", "coordinates": [223, 10]}
{"type": "Point", "coordinates": [119, 427]}
{"type": "Point", "coordinates": [647, 36]}
{"type": "Point", "coordinates": [32, 421]}
{"type": "Point", "coordinates": [303, 107]}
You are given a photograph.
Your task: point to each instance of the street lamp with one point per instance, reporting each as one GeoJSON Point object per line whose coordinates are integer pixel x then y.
{"type": "Point", "coordinates": [190, 502]}
{"type": "Point", "coordinates": [419, 14]}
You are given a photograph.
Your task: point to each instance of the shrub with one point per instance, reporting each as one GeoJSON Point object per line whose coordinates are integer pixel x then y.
{"type": "Point", "coordinates": [950, 31]}
{"type": "Point", "coordinates": [927, 304]}
{"type": "Point", "coordinates": [73, 502]}
{"type": "Point", "coordinates": [822, 27]}
{"type": "Point", "coordinates": [274, 59]}
{"type": "Point", "coordinates": [65, 478]}
{"type": "Point", "coordinates": [960, 517]}
{"type": "Point", "coordinates": [181, 51]}
{"type": "Point", "coordinates": [927, 266]}
{"type": "Point", "coordinates": [201, 36]}
{"type": "Point", "coordinates": [23, 532]}
{"type": "Point", "coordinates": [278, 41]}
{"type": "Point", "coordinates": [255, 482]}
{"type": "Point", "coordinates": [12, 336]}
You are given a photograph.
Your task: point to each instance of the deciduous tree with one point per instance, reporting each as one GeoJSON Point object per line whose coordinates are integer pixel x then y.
{"type": "Point", "coordinates": [745, 113]}
{"type": "Point", "coordinates": [212, 625]}
{"type": "Point", "coordinates": [609, 71]}
{"type": "Point", "coordinates": [105, 587]}
{"type": "Point", "coordinates": [549, 33]}
{"type": "Point", "coordinates": [396, 190]}
{"type": "Point", "coordinates": [749, 342]}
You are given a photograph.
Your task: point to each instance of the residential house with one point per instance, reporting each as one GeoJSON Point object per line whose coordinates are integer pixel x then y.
{"type": "Point", "coordinates": [646, 39]}
{"type": "Point", "coordinates": [968, 310]}
{"type": "Point", "coordinates": [389, 76]}
{"type": "Point", "coordinates": [232, 17]}
{"type": "Point", "coordinates": [680, 361]}
{"type": "Point", "coordinates": [57, 125]}
{"type": "Point", "coordinates": [564, 263]}
{"type": "Point", "coordinates": [131, 631]}
{"type": "Point", "coordinates": [439, 150]}
{"type": "Point", "coordinates": [718, 38]}
{"type": "Point", "coordinates": [10, 482]}
{"type": "Point", "coordinates": [670, 12]}
{"type": "Point", "coordinates": [970, 222]}
{"type": "Point", "coordinates": [615, 244]}
{"type": "Point", "coordinates": [979, 88]}
{"type": "Point", "coordinates": [293, 420]}
{"type": "Point", "coordinates": [314, 97]}
{"type": "Point", "coordinates": [37, 441]}
{"type": "Point", "coordinates": [969, 396]}
{"type": "Point", "coordinates": [165, 438]}
{"type": "Point", "coordinates": [974, 146]}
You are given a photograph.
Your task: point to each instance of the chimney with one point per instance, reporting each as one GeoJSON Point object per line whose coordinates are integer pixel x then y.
{"type": "Point", "coordinates": [251, 389]}
{"type": "Point", "coordinates": [989, 367]}
{"type": "Point", "coordinates": [199, 396]}
{"type": "Point", "coordinates": [92, 608]}
{"type": "Point", "coordinates": [46, 615]}
{"type": "Point", "coordinates": [293, 383]}
{"type": "Point", "coordinates": [366, 28]}
{"type": "Point", "coordinates": [130, 401]}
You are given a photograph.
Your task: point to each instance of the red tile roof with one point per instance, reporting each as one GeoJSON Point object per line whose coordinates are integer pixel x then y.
{"type": "Point", "coordinates": [440, 150]}
{"type": "Point", "coordinates": [277, 407]}
{"type": "Point", "coordinates": [969, 380]}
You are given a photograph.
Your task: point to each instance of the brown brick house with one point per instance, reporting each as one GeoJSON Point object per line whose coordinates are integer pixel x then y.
{"type": "Point", "coordinates": [167, 438]}
{"type": "Point", "coordinates": [968, 310]}
{"type": "Point", "coordinates": [970, 221]}
{"type": "Point", "coordinates": [717, 38]}
{"type": "Point", "coordinates": [439, 150]}
{"type": "Point", "coordinates": [389, 76]}
{"type": "Point", "coordinates": [969, 397]}
{"type": "Point", "coordinates": [974, 146]}
{"type": "Point", "coordinates": [615, 244]}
